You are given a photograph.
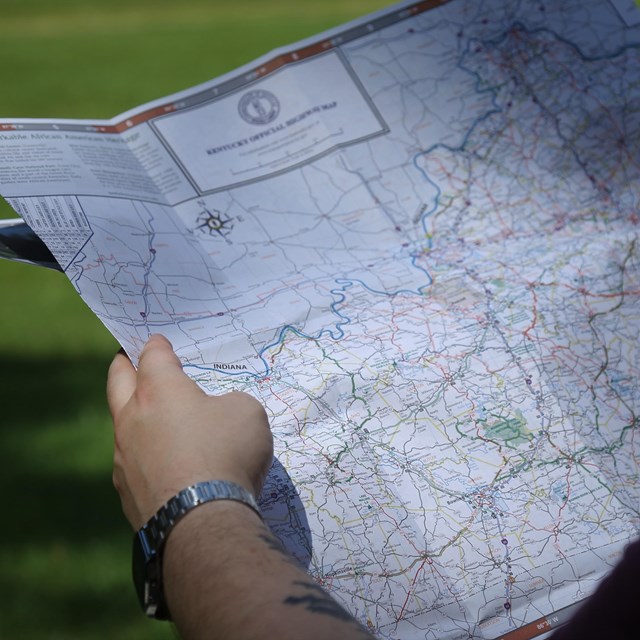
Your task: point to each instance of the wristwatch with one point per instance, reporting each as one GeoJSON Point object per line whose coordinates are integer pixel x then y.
{"type": "Point", "coordinates": [149, 541]}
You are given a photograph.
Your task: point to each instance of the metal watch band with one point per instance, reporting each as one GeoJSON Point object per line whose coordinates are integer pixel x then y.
{"type": "Point", "coordinates": [148, 542]}
{"type": "Point", "coordinates": [158, 527]}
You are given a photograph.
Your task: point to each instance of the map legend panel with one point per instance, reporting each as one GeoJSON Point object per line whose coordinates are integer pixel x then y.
{"type": "Point", "coordinates": [59, 221]}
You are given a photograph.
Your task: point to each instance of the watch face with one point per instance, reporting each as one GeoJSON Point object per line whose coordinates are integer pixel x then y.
{"type": "Point", "coordinates": [139, 568]}
{"type": "Point", "coordinates": [147, 577]}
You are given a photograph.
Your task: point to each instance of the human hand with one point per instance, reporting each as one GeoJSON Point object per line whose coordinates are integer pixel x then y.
{"type": "Point", "coordinates": [169, 434]}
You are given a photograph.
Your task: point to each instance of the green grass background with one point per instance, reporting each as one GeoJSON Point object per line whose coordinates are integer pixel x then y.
{"type": "Point", "coordinates": [64, 544]}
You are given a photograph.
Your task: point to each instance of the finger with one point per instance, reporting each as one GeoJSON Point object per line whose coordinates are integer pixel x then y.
{"type": "Point", "coordinates": [157, 353]}
{"type": "Point", "coordinates": [121, 383]}
{"type": "Point", "coordinates": [159, 365]}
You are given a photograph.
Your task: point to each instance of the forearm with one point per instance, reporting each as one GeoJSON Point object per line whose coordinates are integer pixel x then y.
{"type": "Point", "coordinates": [227, 576]}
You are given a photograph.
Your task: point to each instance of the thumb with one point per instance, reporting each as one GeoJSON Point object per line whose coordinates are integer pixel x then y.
{"type": "Point", "coordinates": [121, 383]}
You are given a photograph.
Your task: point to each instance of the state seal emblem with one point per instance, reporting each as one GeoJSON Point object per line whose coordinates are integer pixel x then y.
{"type": "Point", "coordinates": [259, 107]}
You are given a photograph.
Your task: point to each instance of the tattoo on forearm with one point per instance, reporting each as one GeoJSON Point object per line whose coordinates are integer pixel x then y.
{"type": "Point", "coordinates": [314, 599]}
{"type": "Point", "coordinates": [317, 600]}
{"type": "Point", "coordinates": [275, 545]}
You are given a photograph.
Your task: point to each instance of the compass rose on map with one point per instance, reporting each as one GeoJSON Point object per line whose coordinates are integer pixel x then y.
{"type": "Point", "coordinates": [213, 222]}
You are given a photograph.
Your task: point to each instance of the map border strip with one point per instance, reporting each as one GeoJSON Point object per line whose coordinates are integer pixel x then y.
{"type": "Point", "coordinates": [213, 91]}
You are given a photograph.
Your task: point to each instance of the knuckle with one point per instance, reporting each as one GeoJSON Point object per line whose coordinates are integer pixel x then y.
{"type": "Point", "coordinates": [250, 404]}
{"type": "Point", "coordinates": [145, 397]}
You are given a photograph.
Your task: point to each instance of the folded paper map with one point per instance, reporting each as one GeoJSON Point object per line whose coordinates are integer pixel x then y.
{"type": "Point", "coordinates": [415, 239]}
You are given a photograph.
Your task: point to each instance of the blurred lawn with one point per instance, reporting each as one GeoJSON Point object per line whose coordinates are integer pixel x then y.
{"type": "Point", "coordinates": [64, 552]}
